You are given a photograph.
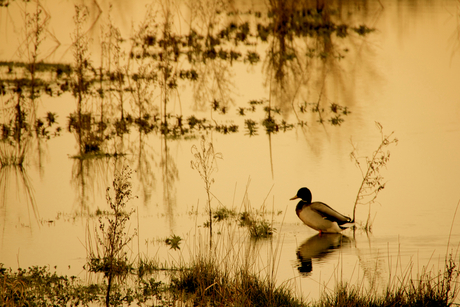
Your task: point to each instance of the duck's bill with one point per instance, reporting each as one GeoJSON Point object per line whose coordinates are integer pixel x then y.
{"type": "Point", "coordinates": [295, 197]}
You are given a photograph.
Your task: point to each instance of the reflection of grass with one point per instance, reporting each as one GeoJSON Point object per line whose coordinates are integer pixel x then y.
{"type": "Point", "coordinates": [160, 59]}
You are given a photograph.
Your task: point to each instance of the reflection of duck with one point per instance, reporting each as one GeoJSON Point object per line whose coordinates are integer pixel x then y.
{"type": "Point", "coordinates": [318, 215]}
{"type": "Point", "coordinates": [318, 247]}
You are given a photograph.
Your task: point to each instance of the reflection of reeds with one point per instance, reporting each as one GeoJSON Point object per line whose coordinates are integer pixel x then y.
{"type": "Point", "coordinates": [89, 175]}
{"type": "Point", "coordinates": [14, 146]}
{"type": "Point", "coordinates": [16, 175]}
{"type": "Point", "coordinates": [142, 155]}
{"type": "Point", "coordinates": [170, 174]}
{"type": "Point", "coordinates": [12, 155]}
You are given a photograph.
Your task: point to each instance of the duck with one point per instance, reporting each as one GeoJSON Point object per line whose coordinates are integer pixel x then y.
{"type": "Point", "coordinates": [318, 215]}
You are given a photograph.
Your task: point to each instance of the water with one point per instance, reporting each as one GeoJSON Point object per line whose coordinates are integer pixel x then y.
{"type": "Point", "coordinates": [404, 76]}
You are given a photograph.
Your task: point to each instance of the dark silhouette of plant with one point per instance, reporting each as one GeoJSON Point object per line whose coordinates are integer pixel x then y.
{"type": "Point", "coordinates": [173, 241]}
{"type": "Point", "coordinates": [112, 238]}
{"type": "Point", "coordinates": [372, 182]}
{"type": "Point", "coordinates": [205, 164]}
{"type": "Point", "coordinates": [35, 26]}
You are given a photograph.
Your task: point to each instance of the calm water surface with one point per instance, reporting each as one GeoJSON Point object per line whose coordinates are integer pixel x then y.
{"type": "Point", "coordinates": [404, 75]}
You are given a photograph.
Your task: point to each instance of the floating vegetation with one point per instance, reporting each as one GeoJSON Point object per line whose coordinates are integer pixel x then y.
{"type": "Point", "coordinates": [173, 241]}
{"type": "Point", "coordinates": [257, 225]}
{"type": "Point", "coordinates": [223, 213]}
{"type": "Point", "coordinates": [251, 127]}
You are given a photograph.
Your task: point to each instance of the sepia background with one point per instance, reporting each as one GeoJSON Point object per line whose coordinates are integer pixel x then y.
{"type": "Point", "coordinates": [283, 107]}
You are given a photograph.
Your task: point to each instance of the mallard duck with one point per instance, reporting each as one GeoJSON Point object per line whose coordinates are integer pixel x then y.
{"type": "Point", "coordinates": [318, 215]}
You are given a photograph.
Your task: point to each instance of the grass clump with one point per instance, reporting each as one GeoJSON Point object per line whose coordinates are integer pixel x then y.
{"type": "Point", "coordinates": [204, 283]}
{"type": "Point", "coordinates": [222, 213]}
{"type": "Point", "coordinates": [258, 227]}
{"type": "Point", "coordinates": [200, 281]}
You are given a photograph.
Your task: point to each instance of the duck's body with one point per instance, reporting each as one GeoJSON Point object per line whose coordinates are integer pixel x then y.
{"type": "Point", "coordinates": [318, 215]}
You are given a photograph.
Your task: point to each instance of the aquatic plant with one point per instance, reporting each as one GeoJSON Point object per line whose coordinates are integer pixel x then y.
{"type": "Point", "coordinates": [372, 182]}
{"type": "Point", "coordinates": [39, 286]}
{"type": "Point", "coordinates": [205, 163]}
{"type": "Point", "coordinates": [110, 256]}
{"type": "Point", "coordinates": [35, 26]}
{"type": "Point", "coordinates": [256, 224]}
{"type": "Point", "coordinates": [223, 213]}
{"type": "Point", "coordinates": [173, 241]}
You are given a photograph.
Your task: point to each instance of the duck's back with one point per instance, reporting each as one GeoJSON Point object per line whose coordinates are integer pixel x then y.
{"type": "Point", "coordinates": [328, 213]}
{"type": "Point", "coordinates": [320, 216]}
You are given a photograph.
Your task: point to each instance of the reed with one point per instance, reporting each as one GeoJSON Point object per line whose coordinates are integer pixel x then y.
{"type": "Point", "coordinates": [372, 180]}
{"type": "Point", "coordinates": [205, 163]}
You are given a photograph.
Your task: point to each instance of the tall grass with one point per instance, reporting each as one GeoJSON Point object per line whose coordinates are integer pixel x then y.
{"type": "Point", "coordinates": [204, 282]}
{"type": "Point", "coordinates": [429, 288]}
{"type": "Point", "coordinates": [232, 273]}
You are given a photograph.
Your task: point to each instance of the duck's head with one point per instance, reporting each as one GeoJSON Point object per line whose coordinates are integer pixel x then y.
{"type": "Point", "coordinates": [304, 194]}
